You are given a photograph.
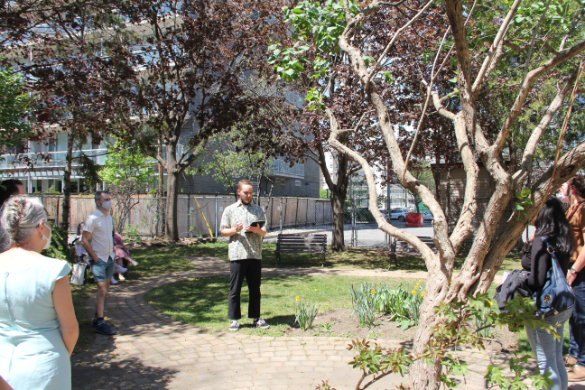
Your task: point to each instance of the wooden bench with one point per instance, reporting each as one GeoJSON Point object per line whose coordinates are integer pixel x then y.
{"type": "Point", "coordinates": [296, 243]}
{"type": "Point", "coordinates": [399, 247]}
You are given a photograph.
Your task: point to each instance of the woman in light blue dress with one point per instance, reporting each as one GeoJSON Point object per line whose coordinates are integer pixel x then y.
{"type": "Point", "coordinates": [38, 328]}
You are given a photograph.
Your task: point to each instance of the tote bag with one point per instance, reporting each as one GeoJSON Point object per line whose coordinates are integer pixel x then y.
{"type": "Point", "coordinates": [556, 296]}
{"type": "Point", "coordinates": [78, 273]}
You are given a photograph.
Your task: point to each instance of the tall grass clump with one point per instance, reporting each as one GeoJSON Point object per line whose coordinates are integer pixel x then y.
{"type": "Point", "coordinates": [363, 298]}
{"type": "Point", "coordinates": [399, 304]}
{"type": "Point", "coordinates": [305, 313]}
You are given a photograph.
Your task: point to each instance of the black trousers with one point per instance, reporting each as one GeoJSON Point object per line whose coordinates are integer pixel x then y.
{"type": "Point", "coordinates": [251, 269]}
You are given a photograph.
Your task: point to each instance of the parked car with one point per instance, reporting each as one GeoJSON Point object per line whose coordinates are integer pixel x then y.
{"type": "Point", "coordinates": [398, 214]}
{"type": "Point", "coordinates": [428, 216]}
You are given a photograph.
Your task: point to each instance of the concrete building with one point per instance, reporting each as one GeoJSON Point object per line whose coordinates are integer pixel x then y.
{"type": "Point", "coordinates": [45, 174]}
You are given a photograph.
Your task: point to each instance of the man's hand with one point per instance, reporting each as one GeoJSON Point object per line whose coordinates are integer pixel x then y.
{"type": "Point", "coordinates": [571, 278]}
{"type": "Point", "coordinates": [253, 229]}
{"type": "Point", "coordinates": [239, 227]}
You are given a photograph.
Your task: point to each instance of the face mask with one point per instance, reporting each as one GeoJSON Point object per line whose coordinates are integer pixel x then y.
{"type": "Point", "coordinates": [107, 205]}
{"type": "Point", "coordinates": [48, 244]}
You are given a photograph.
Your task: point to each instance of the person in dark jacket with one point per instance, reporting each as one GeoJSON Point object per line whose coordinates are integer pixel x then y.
{"type": "Point", "coordinates": [551, 224]}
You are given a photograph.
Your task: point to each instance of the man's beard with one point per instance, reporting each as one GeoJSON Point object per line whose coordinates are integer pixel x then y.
{"type": "Point", "coordinates": [244, 203]}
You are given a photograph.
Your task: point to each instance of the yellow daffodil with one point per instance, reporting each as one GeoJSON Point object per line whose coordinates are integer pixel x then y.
{"type": "Point", "coordinates": [373, 292]}
{"type": "Point", "coordinates": [422, 294]}
{"type": "Point", "coordinates": [297, 299]}
{"type": "Point", "coordinates": [315, 289]}
{"type": "Point", "coordinates": [413, 292]}
{"type": "Point", "coordinates": [491, 303]}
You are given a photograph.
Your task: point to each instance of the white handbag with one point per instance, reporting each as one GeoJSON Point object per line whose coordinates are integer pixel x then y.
{"type": "Point", "coordinates": [78, 273]}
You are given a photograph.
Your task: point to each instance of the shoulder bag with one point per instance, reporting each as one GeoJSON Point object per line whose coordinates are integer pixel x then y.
{"type": "Point", "coordinates": [556, 296]}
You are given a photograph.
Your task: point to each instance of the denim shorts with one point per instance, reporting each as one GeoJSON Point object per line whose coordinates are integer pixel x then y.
{"type": "Point", "coordinates": [102, 270]}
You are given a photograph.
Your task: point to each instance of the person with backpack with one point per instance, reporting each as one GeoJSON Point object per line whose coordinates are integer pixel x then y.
{"type": "Point", "coordinates": [573, 193]}
{"type": "Point", "coordinates": [551, 236]}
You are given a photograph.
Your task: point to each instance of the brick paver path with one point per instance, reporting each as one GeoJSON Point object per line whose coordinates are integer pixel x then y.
{"type": "Point", "coordinates": [152, 351]}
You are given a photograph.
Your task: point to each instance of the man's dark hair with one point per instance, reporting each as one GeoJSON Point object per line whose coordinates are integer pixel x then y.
{"type": "Point", "coordinates": [98, 195]}
{"type": "Point", "coordinates": [579, 183]}
{"type": "Point", "coordinates": [8, 188]}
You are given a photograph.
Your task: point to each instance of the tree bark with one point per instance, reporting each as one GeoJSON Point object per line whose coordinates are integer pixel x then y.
{"type": "Point", "coordinates": [161, 192]}
{"type": "Point", "coordinates": [173, 171]}
{"type": "Point", "coordinates": [338, 196]}
{"type": "Point", "coordinates": [67, 182]}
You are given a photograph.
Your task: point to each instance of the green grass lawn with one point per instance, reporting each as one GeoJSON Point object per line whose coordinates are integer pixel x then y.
{"type": "Point", "coordinates": [202, 302]}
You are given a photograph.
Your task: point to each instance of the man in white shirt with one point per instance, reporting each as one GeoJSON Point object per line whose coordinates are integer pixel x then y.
{"type": "Point", "coordinates": [98, 241]}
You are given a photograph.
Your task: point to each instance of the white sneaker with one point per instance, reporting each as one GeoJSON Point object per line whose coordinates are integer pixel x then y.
{"type": "Point", "coordinates": [134, 263]}
{"type": "Point", "coordinates": [113, 281]}
{"type": "Point", "coordinates": [119, 269]}
{"type": "Point", "coordinates": [121, 277]}
{"type": "Point", "coordinates": [234, 325]}
{"type": "Point", "coordinates": [260, 323]}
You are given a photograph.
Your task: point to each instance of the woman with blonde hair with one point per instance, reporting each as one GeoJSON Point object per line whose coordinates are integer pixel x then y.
{"type": "Point", "coordinates": [38, 328]}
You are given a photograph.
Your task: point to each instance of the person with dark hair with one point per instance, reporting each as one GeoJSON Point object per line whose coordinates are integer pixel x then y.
{"type": "Point", "coordinates": [573, 192]}
{"type": "Point", "coordinates": [99, 243]}
{"type": "Point", "coordinates": [552, 225]}
{"type": "Point", "coordinates": [9, 188]}
{"type": "Point", "coordinates": [244, 223]}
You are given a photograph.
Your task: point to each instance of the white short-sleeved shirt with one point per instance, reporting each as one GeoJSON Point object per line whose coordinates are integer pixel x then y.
{"type": "Point", "coordinates": [101, 227]}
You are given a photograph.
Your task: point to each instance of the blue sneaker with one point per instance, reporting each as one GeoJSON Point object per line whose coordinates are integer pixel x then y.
{"type": "Point", "coordinates": [105, 329]}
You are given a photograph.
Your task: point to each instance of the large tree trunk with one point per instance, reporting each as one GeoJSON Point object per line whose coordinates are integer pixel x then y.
{"type": "Point", "coordinates": [338, 195]}
{"type": "Point", "coordinates": [161, 192]}
{"type": "Point", "coordinates": [67, 182]}
{"type": "Point", "coordinates": [173, 172]}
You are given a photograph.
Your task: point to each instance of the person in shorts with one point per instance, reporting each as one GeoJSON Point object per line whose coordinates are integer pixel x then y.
{"type": "Point", "coordinates": [99, 243]}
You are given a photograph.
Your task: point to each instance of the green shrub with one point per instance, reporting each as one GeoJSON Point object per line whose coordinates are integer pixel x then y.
{"type": "Point", "coordinates": [305, 313]}
{"type": "Point", "coordinates": [364, 303]}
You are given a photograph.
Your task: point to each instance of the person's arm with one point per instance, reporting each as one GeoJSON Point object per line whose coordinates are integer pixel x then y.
{"type": "Point", "coordinates": [85, 242]}
{"type": "Point", "coordinates": [4, 385]}
{"type": "Point", "coordinates": [227, 232]}
{"type": "Point", "coordinates": [66, 314]}
{"type": "Point", "coordinates": [225, 227]}
{"type": "Point", "coordinates": [578, 266]}
{"type": "Point", "coordinates": [256, 229]}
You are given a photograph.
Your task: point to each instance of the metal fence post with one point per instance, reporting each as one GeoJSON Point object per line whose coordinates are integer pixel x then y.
{"type": "Point", "coordinates": [297, 212]}
{"type": "Point", "coordinates": [280, 212]}
{"type": "Point", "coordinates": [189, 215]}
{"type": "Point", "coordinates": [216, 211]}
{"type": "Point", "coordinates": [315, 212]}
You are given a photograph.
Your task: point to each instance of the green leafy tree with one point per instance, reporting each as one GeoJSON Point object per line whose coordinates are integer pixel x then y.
{"type": "Point", "coordinates": [14, 106]}
{"type": "Point", "coordinates": [128, 173]}
{"type": "Point", "coordinates": [242, 154]}
{"type": "Point", "coordinates": [465, 58]}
